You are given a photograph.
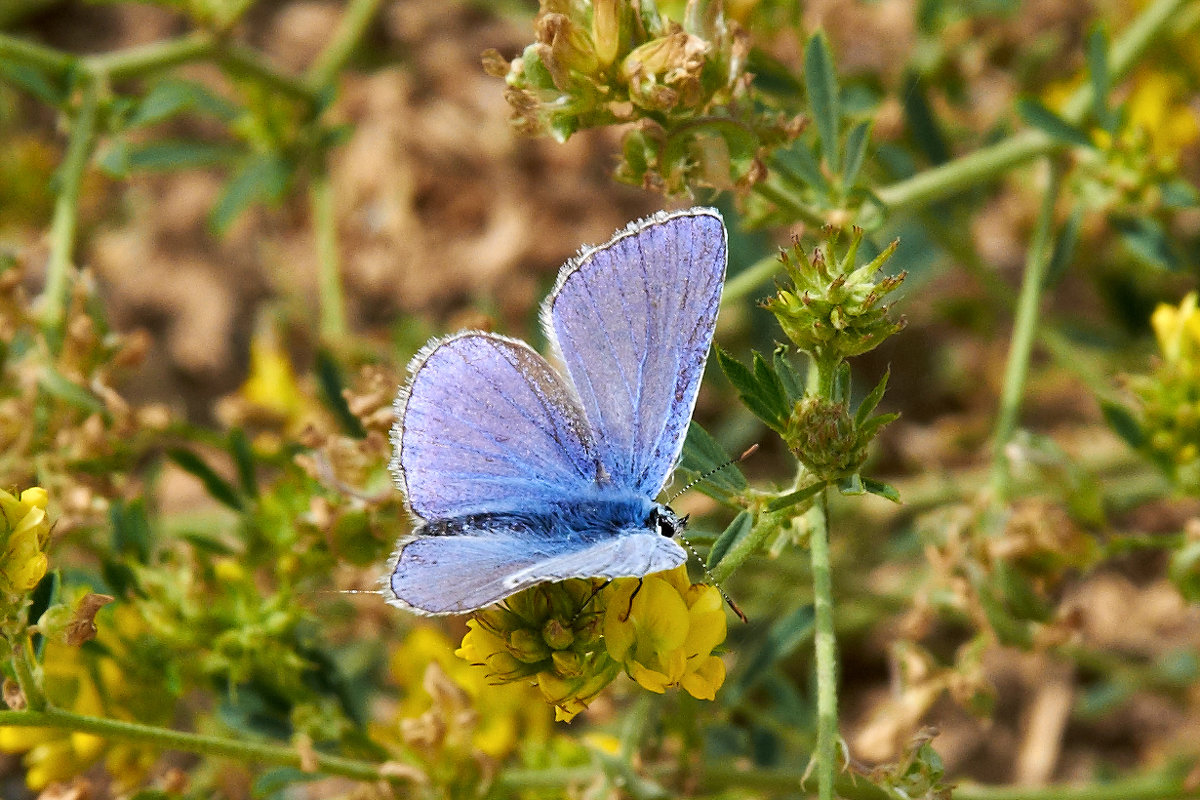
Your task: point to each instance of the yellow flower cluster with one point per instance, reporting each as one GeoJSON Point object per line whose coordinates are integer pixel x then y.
{"type": "Point", "coordinates": [550, 635]}
{"type": "Point", "coordinates": [1170, 410]}
{"type": "Point", "coordinates": [572, 638]}
{"type": "Point", "coordinates": [96, 687]}
{"type": "Point", "coordinates": [25, 534]}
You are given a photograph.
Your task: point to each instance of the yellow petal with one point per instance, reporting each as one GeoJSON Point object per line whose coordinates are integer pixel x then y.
{"type": "Point", "coordinates": [649, 679]}
{"type": "Point", "coordinates": [703, 682]}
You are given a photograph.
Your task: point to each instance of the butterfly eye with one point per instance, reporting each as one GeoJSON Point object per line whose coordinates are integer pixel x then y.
{"type": "Point", "coordinates": [665, 523]}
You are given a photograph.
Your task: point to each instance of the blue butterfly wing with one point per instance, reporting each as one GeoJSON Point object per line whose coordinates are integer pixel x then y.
{"type": "Point", "coordinates": [633, 321]}
{"type": "Point", "coordinates": [485, 561]}
{"type": "Point", "coordinates": [486, 425]}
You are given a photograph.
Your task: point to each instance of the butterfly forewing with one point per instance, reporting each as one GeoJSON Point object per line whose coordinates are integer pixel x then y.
{"type": "Point", "coordinates": [633, 322]}
{"type": "Point", "coordinates": [487, 425]}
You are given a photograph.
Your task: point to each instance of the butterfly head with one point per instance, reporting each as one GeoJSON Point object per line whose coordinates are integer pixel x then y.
{"type": "Point", "coordinates": [666, 521]}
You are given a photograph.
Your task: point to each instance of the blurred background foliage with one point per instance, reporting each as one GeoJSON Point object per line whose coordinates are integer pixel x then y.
{"type": "Point", "coordinates": [226, 225]}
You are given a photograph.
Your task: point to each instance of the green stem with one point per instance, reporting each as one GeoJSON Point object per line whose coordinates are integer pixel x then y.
{"type": "Point", "coordinates": [1170, 785]}
{"type": "Point", "coordinates": [329, 63]}
{"type": "Point", "coordinates": [145, 59]}
{"type": "Point", "coordinates": [990, 162]}
{"type": "Point", "coordinates": [329, 275]}
{"type": "Point", "coordinates": [237, 749]}
{"type": "Point", "coordinates": [798, 209]}
{"type": "Point", "coordinates": [741, 285]}
{"type": "Point", "coordinates": [23, 668]}
{"type": "Point", "coordinates": [66, 207]}
{"type": "Point", "coordinates": [1024, 330]}
{"type": "Point", "coordinates": [249, 63]}
{"type": "Point", "coordinates": [826, 651]}
{"type": "Point", "coordinates": [35, 55]}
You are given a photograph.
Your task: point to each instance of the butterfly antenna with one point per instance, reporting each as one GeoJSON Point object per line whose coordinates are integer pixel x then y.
{"type": "Point", "coordinates": [711, 580]}
{"type": "Point", "coordinates": [749, 452]}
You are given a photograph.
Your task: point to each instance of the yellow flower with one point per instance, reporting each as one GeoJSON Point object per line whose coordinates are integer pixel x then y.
{"type": "Point", "coordinates": [25, 534]}
{"type": "Point", "coordinates": [1158, 105]}
{"type": "Point", "coordinates": [1178, 330]}
{"type": "Point", "coordinates": [663, 630]}
{"type": "Point", "coordinates": [505, 714]}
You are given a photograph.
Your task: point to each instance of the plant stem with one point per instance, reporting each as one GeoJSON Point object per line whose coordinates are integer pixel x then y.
{"type": "Point", "coordinates": [237, 749]}
{"type": "Point", "coordinates": [990, 162]}
{"type": "Point", "coordinates": [1024, 329]}
{"type": "Point", "coordinates": [45, 58]}
{"type": "Point", "coordinates": [325, 69]}
{"type": "Point", "coordinates": [145, 59]}
{"type": "Point", "coordinates": [329, 275]}
{"type": "Point", "coordinates": [1169, 785]}
{"type": "Point", "coordinates": [66, 207]}
{"type": "Point", "coordinates": [826, 650]}
{"type": "Point", "coordinates": [34, 699]}
{"type": "Point", "coordinates": [741, 285]}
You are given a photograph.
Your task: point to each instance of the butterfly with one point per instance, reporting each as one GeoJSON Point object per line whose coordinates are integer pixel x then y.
{"type": "Point", "coordinates": [517, 473]}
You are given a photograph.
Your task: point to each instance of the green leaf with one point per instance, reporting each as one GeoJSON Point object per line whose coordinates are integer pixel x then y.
{"type": "Point", "coordinates": [243, 458]}
{"type": "Point", "coordinates": [769, 383]}
{"type": "Point", "coordinates": [1124, 424]}
{"type": "Point", "coordinates": [216, 486]}
{"type": "Point", "coordinates": [44, 595]}
{"type": "Point", "coordinates": [33, 81]}
{"type": "Point", "coordinates": [922, 122]}
{"type": "Point", "coordinates": [171, 97]}
{"type": "Point", "coordinates": [1037, 115]}
{"type": "Point", "coordinates": [1148, 241]}
{"type": "Point", "coordinates": [852, 486]}
{"type": "Point", "coordinates": [273, 783]}
{"type": "Point", "coordinates": [702, 454]}
{"type": "Point", "coordinates": [800, 168]}
{"type": "Point", "coordinates": [793, 384]}
{"type": "Point", "coordinates": [1064, 247]}
{"type": "Point", "coordinates": [263, 176]}
{"type": "Point", "coordinates": [174, 155]}
{"type": "Point", "coordinates": [329, 381]}
{"type": "Point", "coordinates": [841, 383]}
{"type": "Point", "coordinates": [820, 82]}
{"type": "Point", "coordinates": [856, 152]}
{"type": "Point", "coordinates": [876, 422]}
{"type": "Point", "coordinates": [1097, 61]}
{"type": "Point", "coordinates": [752, 395]}
{"type": "Point", "coordinates": [881, 489]}
{"type": "Point", "coordinates": [736, 531]}
{"type": "Point", "coordinates": [55, 384]}
{"type": "Point", "coordinates": [131, 533]}
{"type": "Point", "coordinates": [796, 497]}
{"type": "Point", "coordinates": [871, 401]}
{"type": "Point", "coordinates": [114, 159]}
{"type": "Point", "coordinates": [785, 636]}
{"type": "Point", "coordinates": [1178, 193]}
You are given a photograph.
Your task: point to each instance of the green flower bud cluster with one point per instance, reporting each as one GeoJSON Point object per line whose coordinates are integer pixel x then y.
{"type": "Point", "coordinates": [605, 62]}
{"type": "Point", "coordinates": [550, 634]}
{"type": "Point", "coordinates": [823, 436]}
{"type": "Point", "coordinates": [834, 311]}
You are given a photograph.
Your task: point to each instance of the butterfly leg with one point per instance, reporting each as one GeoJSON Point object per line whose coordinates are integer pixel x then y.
{"type": "Point", "coordinates": [629, 610]}
{"type": "Point", "coordinates": [590, 598]}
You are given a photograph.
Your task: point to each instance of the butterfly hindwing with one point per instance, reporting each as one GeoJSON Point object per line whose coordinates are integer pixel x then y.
{"type": "Point", "coordinates": [485, 560]}
{"type": "Point", "coordinates": [633, 322]}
